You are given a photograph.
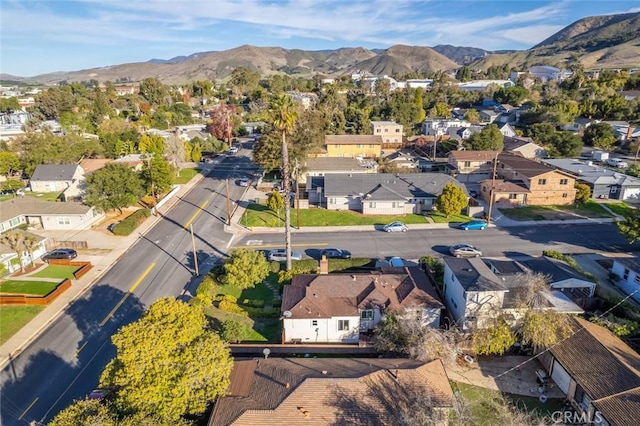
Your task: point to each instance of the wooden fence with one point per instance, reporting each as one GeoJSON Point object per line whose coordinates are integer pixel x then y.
{"type": "Point", "coordinates": [26, 299]}
{"type": "Point", "coordinates": [52, 244]}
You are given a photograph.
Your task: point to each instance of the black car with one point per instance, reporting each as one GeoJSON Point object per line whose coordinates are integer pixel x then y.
{"type": "Point", "coordinates": [63, 253]}
{"type": "Point", "coordinates": [335, 253]}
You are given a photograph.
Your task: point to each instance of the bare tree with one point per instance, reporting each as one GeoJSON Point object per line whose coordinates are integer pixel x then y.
{"type": "Point", "coordinates": [14, 240]}
{"type": "Point", "coordinates": [30, 243]}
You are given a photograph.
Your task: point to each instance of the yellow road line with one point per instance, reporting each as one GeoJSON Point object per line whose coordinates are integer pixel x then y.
{"type": "Point", "coordinates": [127, 294]}
{"type": "Point", "coordinates": [258, 247]}
{"type": "Point", "coordinates": [80, 348]}
{"type": "Point", "coordinates": [28, 408]}
{"type": "Point", "coordinates": [200, 210]}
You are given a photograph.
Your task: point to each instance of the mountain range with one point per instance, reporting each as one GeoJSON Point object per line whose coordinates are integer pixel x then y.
{"type": "Point", "coordinates": [597, 42]}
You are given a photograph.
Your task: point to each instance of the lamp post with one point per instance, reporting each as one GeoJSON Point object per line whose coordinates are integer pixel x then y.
{"type": "Point", "coordinates": [492, 194]}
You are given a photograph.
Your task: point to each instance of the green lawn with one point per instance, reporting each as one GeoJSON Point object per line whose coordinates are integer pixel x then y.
{"type": "Point", "coordinates": [56, 271]}
{"type": "Point", "coordinates": [259, 292]}
{"type": "Point", "coordinates": [441, 218]}
{"type": "Point", "coordinates": [46, 196]}
{"type": "Point", "coordinates": [185, 175]}
{"type": "Point", "coordinates": [257, 330]}
{"type": "Point", "coordinates": [619, 208]}
{"type": "Point", "coordinates": [40, 288]}
{"type": "Point", "coordinates": [257, 215]}
{"type": "Point", "coordinates": [14, 318]}
{"type": "Point", "coordinates": [578, 211]}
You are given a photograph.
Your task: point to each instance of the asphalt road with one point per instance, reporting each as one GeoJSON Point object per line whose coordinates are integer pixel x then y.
{"type": "Point", "coordinates": [65, 362]}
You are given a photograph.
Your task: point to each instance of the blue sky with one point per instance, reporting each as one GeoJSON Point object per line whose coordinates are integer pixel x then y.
{"type": "Point", "coordinates": [46, 36]}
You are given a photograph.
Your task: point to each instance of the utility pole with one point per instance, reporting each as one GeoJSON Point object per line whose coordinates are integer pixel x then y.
{"type": "Point", "coordinates": [493, 188]}
{"type": "Point", "coordinates": [297, 196]}
{"type": "Point", "coordinates": [228, 204]}
{"type": "Point", "coordinates": [154, 210]}
{"type": "Point", "coordinates": [195, 255]}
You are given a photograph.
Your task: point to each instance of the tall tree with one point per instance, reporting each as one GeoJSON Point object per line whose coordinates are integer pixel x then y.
{"type": "Point", "coordinates": [30, 243]}
{"type": "Point", "coordinates": [487, 139]}
{"type": "Point", "coordinates": [630, 226]}
{"type": "Point", "coordinates": [153, 90]}
{"type": "Point", "coordinates": [14, 240]}
{"type": "Point", "coordinates": [283, 116]}
{"type": "Point", "coordinates": [599, 135]}
{"type": "Point", "coordinates": [9, 163]}
{"type": "Point", "coordinates": [115, 186]}
{"type": "Point", "coordinates": [245, 268]}
{"type": "Point", "coordinates": [452, 200]}
{"type": "Point", "coordinates": [169, 363]}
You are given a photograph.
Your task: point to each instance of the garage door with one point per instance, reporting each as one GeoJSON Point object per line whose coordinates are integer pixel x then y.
{"type": "Point", "coordinates": [560, 377]}
{"type": "Point", "coordinates": [631, 194]}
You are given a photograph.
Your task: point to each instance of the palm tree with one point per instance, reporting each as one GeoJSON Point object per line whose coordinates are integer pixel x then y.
{"type": "Point", "coordinates": [283, 114]}
{"type": "Point", "coordinates": [14, 240]}
{"type": "Point", "coordinates": [30, 243]}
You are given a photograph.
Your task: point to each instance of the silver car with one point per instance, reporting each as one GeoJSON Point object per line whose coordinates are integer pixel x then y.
{"type": "Point", "coordinates": [465, 250]}
{"type": "Point", "coordinates": [280, 255]}
{"type": "Point", "coordinates": [395, 227]}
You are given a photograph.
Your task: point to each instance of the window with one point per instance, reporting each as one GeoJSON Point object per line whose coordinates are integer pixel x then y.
{"type": "Point", "coordinates": [14, 222]}
{"type": "Point", "coordinates": [386, 130]}
{"type": "Point", "coordinates": [637, 279]}
{"type": "Point", "coordinates": [626, 274]}
{"type": "Point", "coordinates": [565, 195]}
{"type": "Point", "coordinates": [564, 181]}
{"type": "Point", "coordinates": [367, 314]}
{"type": "Point", "coordinates": [372, 205]}
{"type": "Point", "coordinates": [542, 181]}
{"type": "Point", "coordinates": [455, 305]}
{"type": "Point", "coordinates": [314, 323]}
{"type": "Point", "coordinates": [332, 200]}
{"type": "Point", "coordinates": [377, 130]}
{"type": "Point", "coordinates": [467, 163]}
{"type": "Point", "coordinates": [397, 130]}
{"type": "Point", "coordinates": [513, 196]}
{"type": "Point", "coordinates": [614, 189]}
{"type": "Point", "coordinates": [338, 146]}
{"type": "Point", "coordinates": [359, 145]}
{"type": "Point", "coordinates": [371, 146]}
{"type": "Point", "coordinates": [63, 221]}
{"type": "Point", "coordinates": [343, 325]}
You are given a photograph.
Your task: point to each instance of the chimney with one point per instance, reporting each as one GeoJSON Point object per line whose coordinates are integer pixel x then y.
{"type": "Point", "coordinates": [324, 265]}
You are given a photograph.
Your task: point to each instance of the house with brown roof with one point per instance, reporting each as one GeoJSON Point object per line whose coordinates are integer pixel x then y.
{"type": "Point", "coordinates": [323, 308]}
{"type": "Point", "coordinates": [521, 181]}
{"type": "Point", "coordinates": [90, 165]}
{"type": "Point", "coordinates": [599, 373]}
{"type": "Point", "coordinates": [351, 146]}
{"type": "Point", "coordinates": [524, 146]}
{"type": "Point", "coordinates": [472, 166]}
{"type": "Point", "coordinates": [332, 391]}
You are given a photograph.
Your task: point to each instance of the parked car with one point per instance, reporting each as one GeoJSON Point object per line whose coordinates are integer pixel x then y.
{"type": "Point", "coordinates": [280, 255]}
{"type": "Point", "coordinates": [63, 253]}
{"type": "Point", "coordinates": [616, 162]}
{"type": "Point", "coordinates": [465, 250]}
{"type": "Point", "coordinates": [473, 193]}
{"type": "Point", "coordinates": [232, 150]}
{"type": "Point", "coordinates": [113, 225]}
{"type": "Point", "coordinates": [243, 182]}
{"type": "Point", "coordinates": [395, 227]}
{"type": "Point", "coordinates": [396, 262]}
{"type": "Point", "coordinates": [473, 224]}
{"type": "Point", "coordinates": [335, 253]}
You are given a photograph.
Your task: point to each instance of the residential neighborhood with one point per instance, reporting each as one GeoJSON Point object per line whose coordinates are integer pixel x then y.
{"type": "Point", "coordinates": [401, 236]}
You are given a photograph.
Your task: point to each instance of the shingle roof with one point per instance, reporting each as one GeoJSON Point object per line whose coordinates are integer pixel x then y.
{"type": "Point", "coordinates": [407, 185]}
{"type": "Point", "coordinates": [352, 140]}
{"type": "Point", "coordinates": [90, 165]}
{"type": "Point", "coordinates": [473, 155]}
{"type": "Point", "coordinates": [599, 362]}
{"type": "Point", "coordinates": [621, 409]}
{"type": "Point", "coordinates": [333, 163]}
{"type": "Point", "coordinates": [507, 186]}
{"type": "Point", "coordinates": [511, 143]}
{"type": "Point", "coordinates": [632, 263]}
{"type": "Point", "coordinates": [474, 275]}
{"type": "Point", "coordinates": [523, 165]}
{"type": "Point", "coordinates": [555, 269]}
{"type": "Point", "coordinates": [54, 172]}
{"type": "Point", "coordinates": [30, 206]}
{"type": "Point", "coordinates": [326, 391]}
{"type": "Point", "coordinates": [326, 296]}
{"type": "Point", "coordinates": [592, 173]}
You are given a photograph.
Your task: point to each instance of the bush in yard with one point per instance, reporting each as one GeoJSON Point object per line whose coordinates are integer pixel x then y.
{"type": "Point", "coordinates": [583, 193]}
{"type": "Point", "coordinates": [263, 312]}
{"type": "Point", "coordinates": [304, 266]}
{"type": "Point", "coordinates": [496, 338]}
{"type": "Point", "coordinates": [452, 200]}
{"type": "Point", "coordinates": [245, 268]}
{"type": "Point", "coordinates": [274, 266]}
{"type": "Point", "coordinates": [204, 293]}
{"type": "Point", "coordinates": [253, 303]}
{"type": "Point", "coordinates": [230, 304]}
{"type": "Point", "coordinates": [131, 222]}
{"type": "Point", "coordinates": [356, 262]}
{"type": "Point", "coordinates": [233, 331]}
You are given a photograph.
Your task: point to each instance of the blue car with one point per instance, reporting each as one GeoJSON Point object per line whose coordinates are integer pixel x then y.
{"type": "Point", "coordinates": [474, 224]}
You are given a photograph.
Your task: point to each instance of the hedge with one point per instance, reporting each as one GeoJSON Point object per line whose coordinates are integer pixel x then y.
{"type": "Point", "coordinates": [356, 262]}
{"type": "Point", "coordinates": [131, 222]}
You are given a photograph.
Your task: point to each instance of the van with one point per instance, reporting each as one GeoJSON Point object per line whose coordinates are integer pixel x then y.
{"type": "Point", "coordinates": [616, 162]}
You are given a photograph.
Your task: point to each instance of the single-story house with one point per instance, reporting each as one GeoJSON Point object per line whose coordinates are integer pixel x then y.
{"type": "Point", "coordinates": [10, 259]}
{"type": "Point", "coordinates": [488, 116]}
{"type": "Point", "coordinates": [579, 124]}
{"type": "Point", "coordinates": [135, 161]}
{"type": "Point", "coordinates": [599, 373]}
{"type": "Point", "coordinates": [326, 308]}
{"type": "Point", "coordinates": [630, 95]}
{"type": "Point", "coordinates": [254, 126]}
{"type": "Point", "coordinates": [322, 166]}
{"type": "Point", "coordinates": [57, 178]}
{"type": "Point", "coordinates": [604, 182]}
{"type": "Point", "coordinates": [506, 193]}
{"type": "Point", "coordinates": [329, 391]}
{"type": "Point", "coordinates": [562, 277]}
{"type": "Point", "coordinates": [524, 146]}
{"type": "Point", "coordinates": [477, 290]}
{"type": "Point", "coordinates": [507, 130]}
{"type": "Point", "coordinates": [403, 159]}
{"type": "Point", "coordinates": [47, 215]}
{"type": "Point", "coordinates": [380, 193]}
{"type": "Point", "coordinates": [628, 272]}
{"type": "Point", "coordinates": [90, 165]}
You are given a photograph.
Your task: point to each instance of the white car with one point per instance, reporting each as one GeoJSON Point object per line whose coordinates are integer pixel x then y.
{"type": "Point", "coordinates": [616, 162]}
{"type": "Point", "coordinates": [232, 150]}
{"type": "Point", "coordinates": [280, 255]}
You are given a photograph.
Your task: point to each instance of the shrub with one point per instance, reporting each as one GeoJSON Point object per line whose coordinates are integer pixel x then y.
{"type": "Point", "coordinates": [131, 222]}
{"type": "Point", "coordinates": [274, 266]}
{"type": "Point", "coordinates": [621, 327]}
{"type": "Point", "coordinates": [233, 331]}
{"type": "Point", "coordinates": [253, 303]}
{"type": "Point", "coordinates": [304, 266]}
{"type": "Point", "coordinates": [229, 304]}
{"type": "Point", "coordinates": [262, 312]}
{"type": "Point", "coordinates": [204, 293]}
{"type": "Point", "coordinates": [353, 263]}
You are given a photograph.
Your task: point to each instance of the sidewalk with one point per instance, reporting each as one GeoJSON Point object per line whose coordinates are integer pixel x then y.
{"type": "Point", "coordinates": [104, 251]}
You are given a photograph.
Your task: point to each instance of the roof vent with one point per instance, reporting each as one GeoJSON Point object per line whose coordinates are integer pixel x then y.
{"type": "Point", "coordinates": [315, 295]}
{"type": "Point", "coordinates": [353, 277]}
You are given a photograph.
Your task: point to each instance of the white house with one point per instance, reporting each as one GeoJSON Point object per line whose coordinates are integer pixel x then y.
{"type": "Point", "coordinates": [326, 308]}
{"type": "Point", "coordinates": [47, 215]}
{"type": "Point", "coordinates": [57, 178]}
{"type": "Point", "coordinates": [439, 126]}
{"type": "Point", "coordinates": [628, 272]}
{"type": "Point", "coordinates": [507, 130]}
{"type": "Point", "coordinates": [10, 259]}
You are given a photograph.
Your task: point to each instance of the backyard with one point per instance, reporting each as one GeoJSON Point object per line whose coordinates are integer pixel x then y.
{"type": "Point", "coordinates": [14, 318]}
{"type": "Point", "coordinates": [590, 209]}
{"type": "Point", "coordinates": [257, 215]}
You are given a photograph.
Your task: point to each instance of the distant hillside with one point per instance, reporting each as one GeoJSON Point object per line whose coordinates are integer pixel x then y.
{"type": "Point", "coordinates": [609, 41]}
{"type": "Point", "coordinates": [459, 54]}
{"type": "Point", "coordinates": [402, 59]}
{"type": "Point", "coordinates": [178, 59]}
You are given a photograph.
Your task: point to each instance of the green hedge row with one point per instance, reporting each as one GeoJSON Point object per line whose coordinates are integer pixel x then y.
{"type": "Point", "coordinates": [336, 265]}
{"type": "Point", "coordinates": [131, 222]}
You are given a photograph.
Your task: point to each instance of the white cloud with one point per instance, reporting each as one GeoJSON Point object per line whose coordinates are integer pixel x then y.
{"type": "Point", "coordinates": [530, 35]}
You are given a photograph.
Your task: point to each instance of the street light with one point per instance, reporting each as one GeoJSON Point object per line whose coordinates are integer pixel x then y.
{"type": "Point", "coordinates": [492, 193]}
